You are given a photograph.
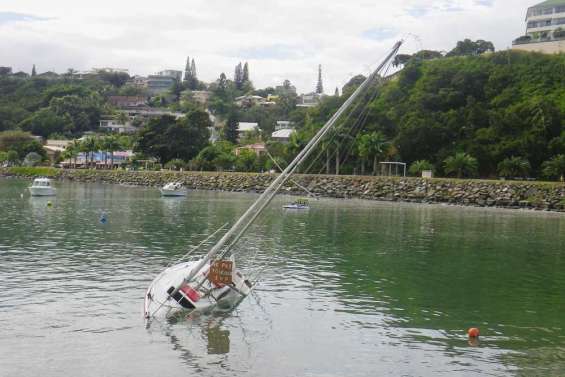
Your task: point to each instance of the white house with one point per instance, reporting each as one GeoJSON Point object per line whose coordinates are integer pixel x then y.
{"type": "Point", "coordinates": [246, 127]}
{"type": "Point", "coordinates": [114, 126]}
{"type": "Point", "coordinates": [282, 135]}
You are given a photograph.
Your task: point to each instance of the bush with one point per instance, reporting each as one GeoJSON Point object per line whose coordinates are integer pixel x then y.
{"type": "Point", "coordinates": [559, 33]}
{"type": "Point", "coordinates": [176, 164]}
{"type": "Point", "coordinates": [419, 166]}
{"type": "Point", "coordinates": [523, 39]}
{"type": "Point", "coordinates": [461, 164]}
{"type": "Point", "coordinates": [555, 168]}
{"type": "Point", "coordinates": [514, 167]}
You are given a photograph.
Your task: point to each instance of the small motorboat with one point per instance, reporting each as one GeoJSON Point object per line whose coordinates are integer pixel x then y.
{"type": "Point", "coordinates": [42, 187]}
{"type": "Point", "coordinates": [173, 189]}
{"type": "Point", "coordinates": [298, 204]}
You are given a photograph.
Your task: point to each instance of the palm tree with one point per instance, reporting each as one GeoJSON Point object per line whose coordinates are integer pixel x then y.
{"type": "Point", "coordinates": [555, 167]}
{"type": "Point", "coordinates": [122, 118]}
{"type": "Point", "coordinates": [71, 152]}
{"type": "Point", "coordinates": [89, 146]}
{"type": "Point", "coordinates": [461, 164]}
{"type": "Point", "coordinates": [113, 144]}
{"type": "Point", "coordinates": [419, 166]}
{"type": "Point", "coordinates": [372, 146]}
{"type": "Point", "coordinates": [514, 167]}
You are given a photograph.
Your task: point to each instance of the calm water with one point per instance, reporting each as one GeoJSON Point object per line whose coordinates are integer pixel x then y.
{"type": "Point", "coordinates": [350, 288]}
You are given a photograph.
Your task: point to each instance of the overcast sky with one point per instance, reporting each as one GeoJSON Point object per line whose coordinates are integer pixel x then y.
{"type": "Point", "coordinates": [281, 39]}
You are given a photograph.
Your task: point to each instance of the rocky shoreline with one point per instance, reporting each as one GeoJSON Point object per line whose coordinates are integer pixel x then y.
{"type": "Point", "coordinates": [506, 194]}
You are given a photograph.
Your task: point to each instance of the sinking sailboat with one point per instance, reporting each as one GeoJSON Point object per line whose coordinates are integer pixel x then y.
{"type": "Point", "coordinates": [213, 282]}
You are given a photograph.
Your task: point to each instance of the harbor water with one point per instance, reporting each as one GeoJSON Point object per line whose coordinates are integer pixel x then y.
{"type": "Point", "coordinates": [347, 288]}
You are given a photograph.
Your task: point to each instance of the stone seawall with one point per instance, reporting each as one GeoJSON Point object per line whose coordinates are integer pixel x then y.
{"type": "Point", "coordinates": [508, 194]}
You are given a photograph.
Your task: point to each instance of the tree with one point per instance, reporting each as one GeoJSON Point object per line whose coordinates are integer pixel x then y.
{"type": "Point", "coordinates": [352, 85]}
{"type": "Point", "coordinates": [83, 112]}
{"type": "Point", "coordinates": [514, 167]}
{"type": "Point", "coordinates": [167, 138]}
{"type": "Point", "coordinates": [32, 159]}
{"type": "Point", "coordinates": [246, 160]}
{"type": "Point", "coordinates": [90, 146]}
{"type": "Point", "coordinates": [20, 142]}
{"type": "Point", "coordinates": [320, 85]}
{"type": "Point", "coordinates": [468, 47]}
{"type": "Point", "coordinates": [117, 79]}
{"type": "Point", "coordinates": [231, 133]}
{"type": "Point", "coordinates": [110, 144]}
{"type": "Point", "coordinates": [417, 167]}
{"type": "Point", "coordinates": [238, 76]}
{"type": "Point", "coordinates": [222, 84]}
{"type": "Point", "coordinates": [461, 164]}
{"type": "Point", "coordinates": [187, 70]}
{"type": "Point", "coordinates": [12, 157]}
{"type": "Point", "coordinates": [33, 71]}
{"type": "Point", "coordinates": [175, 164]}
{"type": "Point", "coordinates": [555, 168]}
{"type": "Point", "coordinates": [46, 122]}
{"type": "Point", "coordinates": [371, 146]}
{"type": "Point", "coordinates": [401, 59]}
{"type": "Point", "coordinates": [193, 70]}
{"type": "Point", "coordinates": [218, 156]}
{"type": "Point", "coordinates": [72, 151]}
{"type": "Point", "coordinates": [245, 75]}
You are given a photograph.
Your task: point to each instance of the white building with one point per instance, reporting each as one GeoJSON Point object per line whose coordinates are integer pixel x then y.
{"type": "Point", "coordinates": [246, 127]}
{"type": "Point", "coordinates": [114, 126]}
{"type": "Point", "coordinates": [309, 100]}
{"type": "Point", "coordinates": [283, 135]}
{"type": "Point", "coordinates": [249, 100]}
{"type": "Point", "coordinates": [545, 28]}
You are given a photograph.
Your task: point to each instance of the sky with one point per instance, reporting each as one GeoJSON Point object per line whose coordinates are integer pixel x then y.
{"type": "Point", "coordinates": [280, 39]}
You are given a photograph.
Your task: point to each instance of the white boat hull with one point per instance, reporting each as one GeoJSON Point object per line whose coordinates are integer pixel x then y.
{"type": "Point", "coordinates": [42, 191]}
{"type": "Point", "coordinates": [205, 298]}
{"type": "Point", "coordinates": [173, 192]}
{"type": "Point", "coordinates": [296, 206]}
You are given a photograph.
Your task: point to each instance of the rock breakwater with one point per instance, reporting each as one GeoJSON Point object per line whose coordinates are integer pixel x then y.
{"type": "Point", "coordinates": [484, 193]}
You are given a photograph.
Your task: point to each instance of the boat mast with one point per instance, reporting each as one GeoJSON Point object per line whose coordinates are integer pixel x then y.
{"type": "Point", "coordinates": [245, 221]}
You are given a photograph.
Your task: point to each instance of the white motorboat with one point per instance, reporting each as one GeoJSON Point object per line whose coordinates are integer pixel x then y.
{"type": "Point", "coordinates": [42, 187]}
{"type": "Point", "coordinates": [173, 189]}
{"type": "Point", "coordinates": [212, 282]}
{"type": "Point", "coordinates": [301, 204]}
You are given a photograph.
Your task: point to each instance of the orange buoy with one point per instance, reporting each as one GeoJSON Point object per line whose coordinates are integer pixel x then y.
{"type": "Point", "coordinates": [473, 332]}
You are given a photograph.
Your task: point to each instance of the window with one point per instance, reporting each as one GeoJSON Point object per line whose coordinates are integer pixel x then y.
{"type": "Point", "coordinates": [560, 9]}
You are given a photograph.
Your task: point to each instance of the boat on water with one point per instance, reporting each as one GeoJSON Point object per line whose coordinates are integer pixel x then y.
{"type": "Point", "coordinates": [212, 282]}
{"type": "Point", "coordinates": [299, 204]}
{"type": "Point", "coordinates": [42, 187]}
{"type": "Point", "coordinates": [173, 189]}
